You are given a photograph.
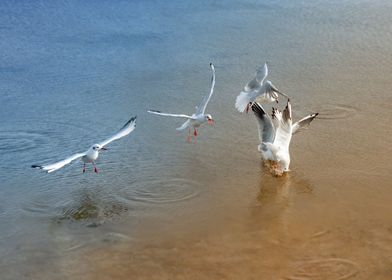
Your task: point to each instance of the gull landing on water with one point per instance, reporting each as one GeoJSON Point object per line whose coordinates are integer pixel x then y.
{"type": "Point", "coordinates": [275, 135]}
{"type": "Point", "coordinates": [91, 155]}
{"type": "Point", "coordinates": [199, 117]}
{"type": "Point", "coordinates": [258, 89]}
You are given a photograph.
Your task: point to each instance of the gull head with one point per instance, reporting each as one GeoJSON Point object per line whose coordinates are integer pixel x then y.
{"type": "Point", "coordinates": [97, 148]}
{"type": "Point", "coordinates": [209, 119]}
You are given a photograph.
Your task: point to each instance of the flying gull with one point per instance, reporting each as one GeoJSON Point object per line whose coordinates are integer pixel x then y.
{"type": "Point", "coordinates": [91, 155]}
{"type": "Point", "coordinates": [199, 117]}
{"type": "Point", "coordinates": [258, 89]}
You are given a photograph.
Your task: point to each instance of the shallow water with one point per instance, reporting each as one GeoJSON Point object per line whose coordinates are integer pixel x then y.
{"type": "Point", "coordinates": [161, 208]}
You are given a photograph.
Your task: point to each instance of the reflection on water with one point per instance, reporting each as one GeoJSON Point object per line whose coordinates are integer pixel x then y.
{"type": "Point", "coordinates": [278, 189]}
{"type": "Point", "coordinates": [160, 208]}
{"type": "Point", "coordinates": [88, 206]}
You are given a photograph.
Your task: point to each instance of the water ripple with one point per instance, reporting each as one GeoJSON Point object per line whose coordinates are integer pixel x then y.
{"type": "Point", "coordinates": [331, 268]}
{"type": "Point", "coordinates": [20, 141]}
{"type": "Point", "coordinates": [163, 190]}
{"type": "Point", "coordinates": [336, 111]}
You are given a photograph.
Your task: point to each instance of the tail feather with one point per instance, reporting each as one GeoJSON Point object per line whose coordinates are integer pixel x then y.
{"type": "Point", "coordinates": [242, 101]}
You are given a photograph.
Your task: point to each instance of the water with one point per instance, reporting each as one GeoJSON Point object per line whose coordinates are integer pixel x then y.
{"type": "Point", "coordinates": [71, 73]}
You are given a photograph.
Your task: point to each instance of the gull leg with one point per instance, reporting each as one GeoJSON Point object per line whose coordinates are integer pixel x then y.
{"type": "Point", "coordinates": [84, 167]}
{"type": "Point", "coordinates": [95, 168]}
{"type": "Point", "coordinates": [195, 134]}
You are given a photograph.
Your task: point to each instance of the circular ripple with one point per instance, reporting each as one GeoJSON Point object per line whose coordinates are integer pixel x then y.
{"type": "Point", "coordinates": [19, 141]}
{"type": "Point", "coordinates": [163, 191]}
{"type": "Point", "coordinates": [333, 269]}
{"type": "Point", "coordinates": [336, 111]}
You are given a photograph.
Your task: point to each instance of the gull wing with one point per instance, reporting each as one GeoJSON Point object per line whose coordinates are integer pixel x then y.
{"type": "Point", "coordinates": [57, 165]}
{"type": "Point", "coordinates": [262, 73]}
{"type": "Point", "coordinates": [275, 90]}
{"type": "Point", "coordinates": [283, 130]}
{"type": "Point", "coordinates": [259, 78]}
{"type": "Point", "coordinates": [184, 125]}
{"type": "Point", "coordinates": [266, 128]}
{"type": "Point", "coordinates": [170, 115]}
{"type": "Point", "coordinates": [124, 131]}
{"type": "Point", "coordinates": [245, 97]}
{"type": "Point", "coordinates": [203, 105]}
{"type": "Point", "coordinates": [303, 123]}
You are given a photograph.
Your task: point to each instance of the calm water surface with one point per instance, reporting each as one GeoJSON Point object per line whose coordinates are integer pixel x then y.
{"type": "Point", "coordinates": [72, 73]}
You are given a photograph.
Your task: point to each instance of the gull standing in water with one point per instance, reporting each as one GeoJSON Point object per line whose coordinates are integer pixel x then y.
{"type": "Point", "coordinates": [91, 155]}
{"type": "Point", "coordinates": [275, 135]}
{"type": "Point", "coordinates": [258, 89]}
{"type": "Point", "coordinates": [199, 117]}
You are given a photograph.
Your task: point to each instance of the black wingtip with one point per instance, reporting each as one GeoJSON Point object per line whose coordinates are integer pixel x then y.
{"type": "Point", "coordinates": [133, 119]}
{"type": "Point", "coordinates": [257, 109]}
{"type": "Point", "coordinates": [36, 166]}
{"type": "Point", "coordinates": [154, 111]}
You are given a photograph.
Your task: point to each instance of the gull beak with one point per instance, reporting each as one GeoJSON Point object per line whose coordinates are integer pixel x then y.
{"type": "Point", "coordinates": [211, 121]}
{"type": "Point", "coordinates": [103, 148]}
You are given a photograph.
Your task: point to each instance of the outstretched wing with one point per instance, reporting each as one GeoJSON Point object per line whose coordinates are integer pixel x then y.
{"type": "Point", "coordinates": [203, 105]}
{"type": "Point", "coordinates": [124, 131]}
{"type": "Point", "coordinates": [262, 73]}
{"type": "Point", "coordinates": [303, 123]}
{"type": "Point", "coordinates": [275, 90]}
{"type": "Point", "coordinates": [266, 128]}
{"type": "Point", "coordinates": [284, 128]}
{"type": "Point", "coordinates": [57, 165]}
{"type": "Point", "coordinates": [258, 80]}
{"type": "Point", "coordinates": [184, 125]}
{"type": "Point", "coordinates": [170, 115]}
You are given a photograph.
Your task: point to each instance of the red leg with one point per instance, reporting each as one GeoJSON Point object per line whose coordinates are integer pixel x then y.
{"type": "Point", "coordinates": [95, 168]}
{"type": "Point", "coordinates": [195, 133]}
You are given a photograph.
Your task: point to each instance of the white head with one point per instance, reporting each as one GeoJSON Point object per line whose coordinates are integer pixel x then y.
{"type": "Point", "coordinates": [209, 119]}
{"type": "Point", "coordinates": [97, 148]}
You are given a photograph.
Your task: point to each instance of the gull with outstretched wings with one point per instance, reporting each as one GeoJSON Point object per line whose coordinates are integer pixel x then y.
{"type": "Point", "coordinates": [91, 155]}
{"type": "Point", "coordinates": [199, 117]}
{"type": "Point", "coordinates": [275, 133]}
{"type": "Point", "coordinates": [258, 89]}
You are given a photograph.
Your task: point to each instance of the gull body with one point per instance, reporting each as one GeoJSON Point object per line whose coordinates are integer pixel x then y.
{"type": "Point", "coordinates": [199, 117]}
{"type": "Point", "coordinates": [258, 89]}
{"type": "Point", "coordinates": [275, 134]}
{"type": "Point", "coordinates": [91, 155]}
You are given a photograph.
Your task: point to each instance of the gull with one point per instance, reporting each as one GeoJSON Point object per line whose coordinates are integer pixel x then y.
{"type": "Point", "coordinates": [199, 117]}
{"type": "Point", "coordinates": [258, 89]}
{"type": "Point", "coordinates": [275, 135]}
{"type": "Point", "coordinates": [91, 155]}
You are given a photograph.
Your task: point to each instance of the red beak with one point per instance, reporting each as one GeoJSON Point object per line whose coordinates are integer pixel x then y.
{"type": "Point", "coordinates": [211, 121]}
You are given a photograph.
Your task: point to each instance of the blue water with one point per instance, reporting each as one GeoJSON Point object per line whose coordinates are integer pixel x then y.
{"type": "Point", "coordinates": [73, 72]}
